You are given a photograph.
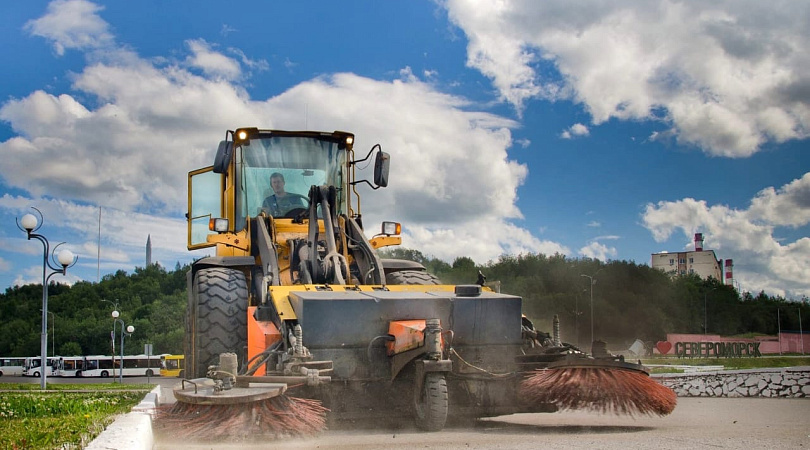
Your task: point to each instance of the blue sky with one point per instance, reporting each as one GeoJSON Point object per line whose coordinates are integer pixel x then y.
{"type": "Point", "coordinates": [594, 130]}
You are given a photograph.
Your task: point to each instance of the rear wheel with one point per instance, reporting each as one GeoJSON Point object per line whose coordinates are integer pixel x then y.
{"type": "Point", "coordinates": [104, 374]}
{"type": "Point", "coordinates": [217, 319]}
{"type": "Point", "coordinates": [431, 402]}
{"type": "Point", "coordinates": [417, 277]}
{"type": "Point", "coordinates": [149, 373]}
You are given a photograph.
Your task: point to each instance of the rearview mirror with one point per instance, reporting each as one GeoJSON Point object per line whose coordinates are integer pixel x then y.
{"type": "Point", "coordinates": [223, 157]}
{"type": "Point", "coordinates": [381, 164]}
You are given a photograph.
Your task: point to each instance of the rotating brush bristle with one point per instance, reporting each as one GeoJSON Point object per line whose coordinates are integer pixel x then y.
{"type": "Point", "coordinates": [276, 417]}
{"type": "Point", "coordinates": [602, 389]}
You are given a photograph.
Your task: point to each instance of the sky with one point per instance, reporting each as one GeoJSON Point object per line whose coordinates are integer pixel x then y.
{"type": "Point", "coordinates": [605, 130]}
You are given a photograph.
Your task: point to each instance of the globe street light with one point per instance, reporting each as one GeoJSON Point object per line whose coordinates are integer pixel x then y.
{"type": "Point", "coordinates": [129, 330]}
{"type": "Point", "coordinates": [30, 224]}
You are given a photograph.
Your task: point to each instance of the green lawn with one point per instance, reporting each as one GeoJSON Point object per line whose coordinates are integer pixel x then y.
{"type": "Point", "coordinates": [729, 363]}
{"type": "Point", "coordinates": [56, 419]}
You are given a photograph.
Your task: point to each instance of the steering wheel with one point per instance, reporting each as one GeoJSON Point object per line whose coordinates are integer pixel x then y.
{"type": "Point", "coordinates": [298, 210]}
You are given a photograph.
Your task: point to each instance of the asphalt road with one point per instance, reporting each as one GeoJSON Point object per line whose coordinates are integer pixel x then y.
{"type": "Point", "coordinates": [729, 423]}
{"type": "Point", "coordinates": [167, 382]}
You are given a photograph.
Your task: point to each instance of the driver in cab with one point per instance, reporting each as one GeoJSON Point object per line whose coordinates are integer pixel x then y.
{"type": "Point", "coordinates": [281, 202]}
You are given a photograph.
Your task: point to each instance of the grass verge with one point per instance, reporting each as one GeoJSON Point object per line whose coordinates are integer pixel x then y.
{"type": "Point", "coordinates": [765, 362]}
{"type": "Point", "coordinates": [58, 419]}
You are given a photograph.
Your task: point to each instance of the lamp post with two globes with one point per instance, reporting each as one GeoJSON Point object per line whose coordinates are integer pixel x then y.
{"type": "Point", "coordinates": [30, 224]}
{"type": "Point", "coordinates": [128, 332]}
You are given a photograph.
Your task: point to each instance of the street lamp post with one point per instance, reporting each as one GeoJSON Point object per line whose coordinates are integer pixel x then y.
{"type": "Point", "coordinates": [53, 333]}
{"type": "Point", "coordinates": [128, 332]}
{"type": "Point", "coordinates": [705, 314]}
{"type": "Point", "coordinates": [801, 332]}
{"type": "Point", "coordinates": [112, 335]}
{"type": "Point", "coordinates": [30, 224]}
{"type": "Point", "coordinates": [592, 282]}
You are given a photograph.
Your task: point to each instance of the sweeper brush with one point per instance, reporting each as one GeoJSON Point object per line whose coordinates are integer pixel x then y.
{"type": "Point", "coordinates": [599, 385]}
{"type": "Point", "coordinates": [202, 412]}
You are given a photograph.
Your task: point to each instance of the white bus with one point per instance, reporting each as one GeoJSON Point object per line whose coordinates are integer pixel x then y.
{"type": "Point", "coordinates": [98, 366]}
{"type": "Point", "coordinates": [70, 366]}
{"type": "Point", "coordinates": [109, 366]}
{"type": "Point", "coordinates": [11, 367]}
{"type": "Point", "coordinates": [31, 367]}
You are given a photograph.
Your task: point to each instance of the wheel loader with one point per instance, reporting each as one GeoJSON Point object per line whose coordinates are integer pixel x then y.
{"type": "Point", "coordinates": [299, 299]}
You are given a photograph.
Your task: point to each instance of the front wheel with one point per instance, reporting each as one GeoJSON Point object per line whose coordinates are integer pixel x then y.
{"type": "Point", "coordinates": [104, 374]}
{"type": "Point", "coordinates": [431, 402]}
{"type": "Point", "coordinates": [149, 373]}
{"type": "Point", "coordinates": [36, 374]}
{"type": "Point", "coordinates": [216, 318]}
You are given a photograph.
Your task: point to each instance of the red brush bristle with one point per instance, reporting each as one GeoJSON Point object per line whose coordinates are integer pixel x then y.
{"type": "Point", "coordinates": [278, 417]}
{"type": "Point", "coordinates": [600, 389]}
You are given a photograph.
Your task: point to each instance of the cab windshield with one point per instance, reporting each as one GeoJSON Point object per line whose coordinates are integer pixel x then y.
{"type": "Point", "coordinates": [299, 162]}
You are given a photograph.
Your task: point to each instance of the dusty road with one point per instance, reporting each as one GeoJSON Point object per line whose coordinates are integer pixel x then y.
{"type": "Point", "coordinates": [733, 423]}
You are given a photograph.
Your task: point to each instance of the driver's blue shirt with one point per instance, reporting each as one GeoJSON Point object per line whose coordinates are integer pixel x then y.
{"type": "Point", "coordinates": [278, 206]}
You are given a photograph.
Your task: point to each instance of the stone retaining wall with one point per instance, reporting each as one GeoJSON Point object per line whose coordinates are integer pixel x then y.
{"type": "Point", "coordinates": [787, 382]}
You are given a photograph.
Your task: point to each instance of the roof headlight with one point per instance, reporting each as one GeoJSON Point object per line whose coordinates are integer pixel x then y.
{"type": "Point", "coordinates": [391, 228]}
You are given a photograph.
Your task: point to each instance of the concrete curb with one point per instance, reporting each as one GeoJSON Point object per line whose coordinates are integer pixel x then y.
{"type": "Point", "coordinates": [131, 431]}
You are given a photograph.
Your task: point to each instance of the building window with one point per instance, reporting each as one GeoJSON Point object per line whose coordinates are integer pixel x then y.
{"type": "Point", "coordinates": [691, 260]}
{"type": "Point", "coordinates": [671, 261]}
{"type": "Point", "coordinates": [682, 261]}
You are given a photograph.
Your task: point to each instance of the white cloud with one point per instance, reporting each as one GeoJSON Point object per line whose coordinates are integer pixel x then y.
{"type": "Point", "coordinates": [598, 251]}
{"type": "Point", "coordinates": [212, 63]}
{"type": "Point", "coordinates": [575, 130]}
{"type": "Point", "coordinates": [148, 122]}
{"type": "Point", "coordinates": [726, 76]}
{"type": "Point", "coordinates": [72, 24]}
{"type": "Point", "coordinates": [788, 206]}
{"type": "Point", "coordinates": [123, 234]}
{"type": "Point", "coordinates": [762, 261]}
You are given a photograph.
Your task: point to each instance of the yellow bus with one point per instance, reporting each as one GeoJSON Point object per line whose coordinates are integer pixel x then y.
{"type": "Point", "coordinates": [171, 366]}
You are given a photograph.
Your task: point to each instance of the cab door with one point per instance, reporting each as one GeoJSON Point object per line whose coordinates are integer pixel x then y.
{"type": "Point", "coordinates": [205, 202]}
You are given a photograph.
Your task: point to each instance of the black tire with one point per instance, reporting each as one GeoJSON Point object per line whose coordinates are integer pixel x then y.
{"type": "Point", "coordinates": [417, 277]}
{"type": "Point", "coordinates": [104, 374]}
{"type": "Point", "coordinates": [217, 321]}
{"type": "Point", "coordinates": [431, 403]}
{"type": "Point", "coordinates": [36, 374]}
{"type": "Point", "coordinates": [149, 373]}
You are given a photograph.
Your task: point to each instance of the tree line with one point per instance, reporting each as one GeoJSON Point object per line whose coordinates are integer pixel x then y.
{"type": "Point", "coordinates": [630, 301]}
{"type": "Point", "coordinates": [151, 299]}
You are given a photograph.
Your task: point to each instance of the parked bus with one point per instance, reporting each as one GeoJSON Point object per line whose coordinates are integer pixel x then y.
{"type": "Point", "coordinates": [171, 366]}
{"type": "Point", "coordinates": [31, 366]}
{"type": "Point", "coordinates": [11, 367]}
{"type": "Point", "coordinates": [134, 366]}
{"type": "Point", "coordinates": [70, 366]}
{"type": "Point", "coordinates": [141, 365]}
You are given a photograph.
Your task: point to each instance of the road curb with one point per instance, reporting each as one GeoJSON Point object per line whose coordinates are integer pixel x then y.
{"type": "Point", "coordinates": [131, 431]}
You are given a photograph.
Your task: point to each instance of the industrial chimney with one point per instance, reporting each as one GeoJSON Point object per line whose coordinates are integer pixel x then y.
{"type": "Point", "coordinates": [698, 242]}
